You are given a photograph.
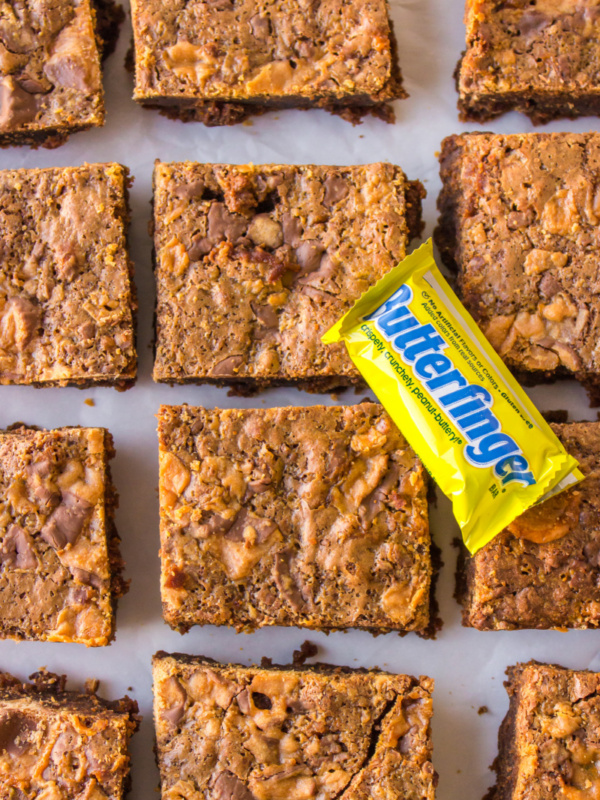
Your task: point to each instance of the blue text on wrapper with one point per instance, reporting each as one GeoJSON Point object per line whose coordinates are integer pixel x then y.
{"type": "Point", "coordinates": [469, 405]}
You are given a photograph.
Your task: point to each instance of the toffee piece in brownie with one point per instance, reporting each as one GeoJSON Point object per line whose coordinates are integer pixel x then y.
{"type": "Point", "coordinates": [519, 222]}
{"type": "Point", "coordinates": [244, 732]}
{"type": "Point", "coordinates": [50, 73]}
{"type": "Point", "coordinates": [254, 264]}
{"type": "Point", "coordinates": [548, 741]}
{"type": "Point", "coordinates": [543, 571]}
{"type": "Point", "coordinates": [540, 57]}
{"type": "Point", "coordinates": [219, 63]}
{"type": "Point", "coordinates": [60, 565]}
{"type": "Point", "coordinates": [67, 300]}
{"type": "Point", "coordinates": [314, 517]}
{"type": "Point", "coordinates": [63, 745]}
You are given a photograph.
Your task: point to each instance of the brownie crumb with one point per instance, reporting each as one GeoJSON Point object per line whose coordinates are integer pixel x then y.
{"type": "Point", "coordinates": [483, 710]}
{"type": "Point", "coordinates": [307, 650]}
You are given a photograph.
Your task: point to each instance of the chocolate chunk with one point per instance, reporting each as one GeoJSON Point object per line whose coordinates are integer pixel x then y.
{"type": "Point", "coordinates": [224, 225]}
{"type": "Point", "coordinates": [292, 230]}
{"type": "Point", "coordinates": [520, 219]}
{"type": "Point", "coordinates": [285, 581]}
{"type": "Point", "coordinates": [67, 521]}
{"type": "Point", "coordinates": [17, 107]}
{"type": "Point", "coordinates": [218, 524]}
{"type": "Point", "coordinates": [336, 189]}
{"type": "Point", "coordinates": [190, 191]}
{"type": "Point", "coordinates": [228, 787]}
{"type": "Point", "coordinates": [34, 84]}
{"type": "Point", "coordinates": [549, 285]}
{"type": "Point", "coordinates": [17, 549]}
{"type": "Point", "coordinates": [532, 22]}
{"type": "Point", "coordinates": [375, 501]}
{"type": "Point", "coordinates": [256, 487]}
{"type": "Point", "coordinates": [309, 255]}
{"type": "Point", "coordinates": [199, 247]}
{"type": "Point", "coordinates": [266, 314]}
{"type": "Point", "coordinates": [15, 728]}
{"type": "Point", "coordinates": [228, 366]}
{"type": "Point", "coordinates": [261, 27]}
{"type": "Point", "coordinates": [45, 495]}
{"type": "Point", "coordinates": [305, 48]}
{"type": "Point", "coordinates": [325, 271]}
{"type": "Point", "coordinates": [177, 699]}
{"type": "Point", "coordinates": [87, 578]}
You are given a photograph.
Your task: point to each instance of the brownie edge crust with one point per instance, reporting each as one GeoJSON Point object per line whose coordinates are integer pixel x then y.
{"type": "Point", "coordinates": [278, 732]}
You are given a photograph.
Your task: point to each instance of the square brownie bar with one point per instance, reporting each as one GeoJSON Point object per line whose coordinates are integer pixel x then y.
{"type": "Point", "coordinates": [314, 517]}
{"type": "Point", "coordinates": [519, 223]}
{"type": "Point", "coordinates": [539, 57]}
{"type": "Point", "coordinates": [254, 264]}
{"type": "Point", "coordinates": [226, 731]}
{"type": "Point", "coordinates": [222, 62]}
{"type": "Point", "coordinates": [543, 571]}
{"type": "Point", "coordinates": [60, 565]}
{"type": "Point", "coordinates": [50, 74]}
{"type": "Point", "coordinates": [67, 300]}
{"type": "Point", "coordinates": [548, 742]}
{"type": "Point", "coordinates": [63, 745]}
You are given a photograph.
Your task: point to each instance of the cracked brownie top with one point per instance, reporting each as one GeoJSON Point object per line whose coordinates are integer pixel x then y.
{"type": "Point", "coordinates": [292, 516]}
{"type": "Point", "coordinates": [249, 50]}
{"type": "Point", "coordinates": [519, 220]}
{"type": "Point", "coordinates": [544, 570]}
{"type": "Point", "coordinates": [66, 295]}
{"type": "Point", "coordinates": [59, 559]}
{"type": "Point", "coordinates": [550, 739]}
{"type": "Point", "coordinates": [50, 74]}
{"type": "Point", "coordinates": [253, 264]}
{"type": "Point", "coordinates": [226, 731]}
{"type": "Point", "coordinates": [533, 48]}
{"type": "Point", "coordinates": [59, 745]}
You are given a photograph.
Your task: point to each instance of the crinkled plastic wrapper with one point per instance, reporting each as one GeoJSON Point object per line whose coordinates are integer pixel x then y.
{"type": "Point", "coordinates": [476, 431]}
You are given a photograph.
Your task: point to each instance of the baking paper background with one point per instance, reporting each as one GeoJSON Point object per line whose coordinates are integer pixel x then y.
{"type": "Point", "coordinates": [468, 666]}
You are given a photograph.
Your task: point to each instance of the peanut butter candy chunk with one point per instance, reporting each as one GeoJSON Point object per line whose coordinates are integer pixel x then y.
{"type": "Point", "coordinates": [67, 299]}
{"type": "Point", "coordinates": [221, 61]}
{"type": "Point", "coordinates": [63, 745]}
{"type": "Point", "coordinates": [549, 739]}
{"type": "Point", "coordinates": [50, 70]}
{"type": "Point", "coordinates": [60, 565]}
{"type": "Point", "coordinates": [313, 517]}
{"type": "Point", "coordinates": [519, 223]}
{"type": "Point", "coordinates": [255, 263]}
{"type": "Point", "coordinates": [543, 571]}
{"type": "Point", "coordinates": [316, 733]}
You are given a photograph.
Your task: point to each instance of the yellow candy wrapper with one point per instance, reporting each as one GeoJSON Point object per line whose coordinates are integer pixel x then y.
{"type": "Point", "coordinates": [474, 428]}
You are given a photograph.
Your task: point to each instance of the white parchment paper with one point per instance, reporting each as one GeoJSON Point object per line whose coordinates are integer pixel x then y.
{"type": "Point", "coordinates": [468, 666]}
